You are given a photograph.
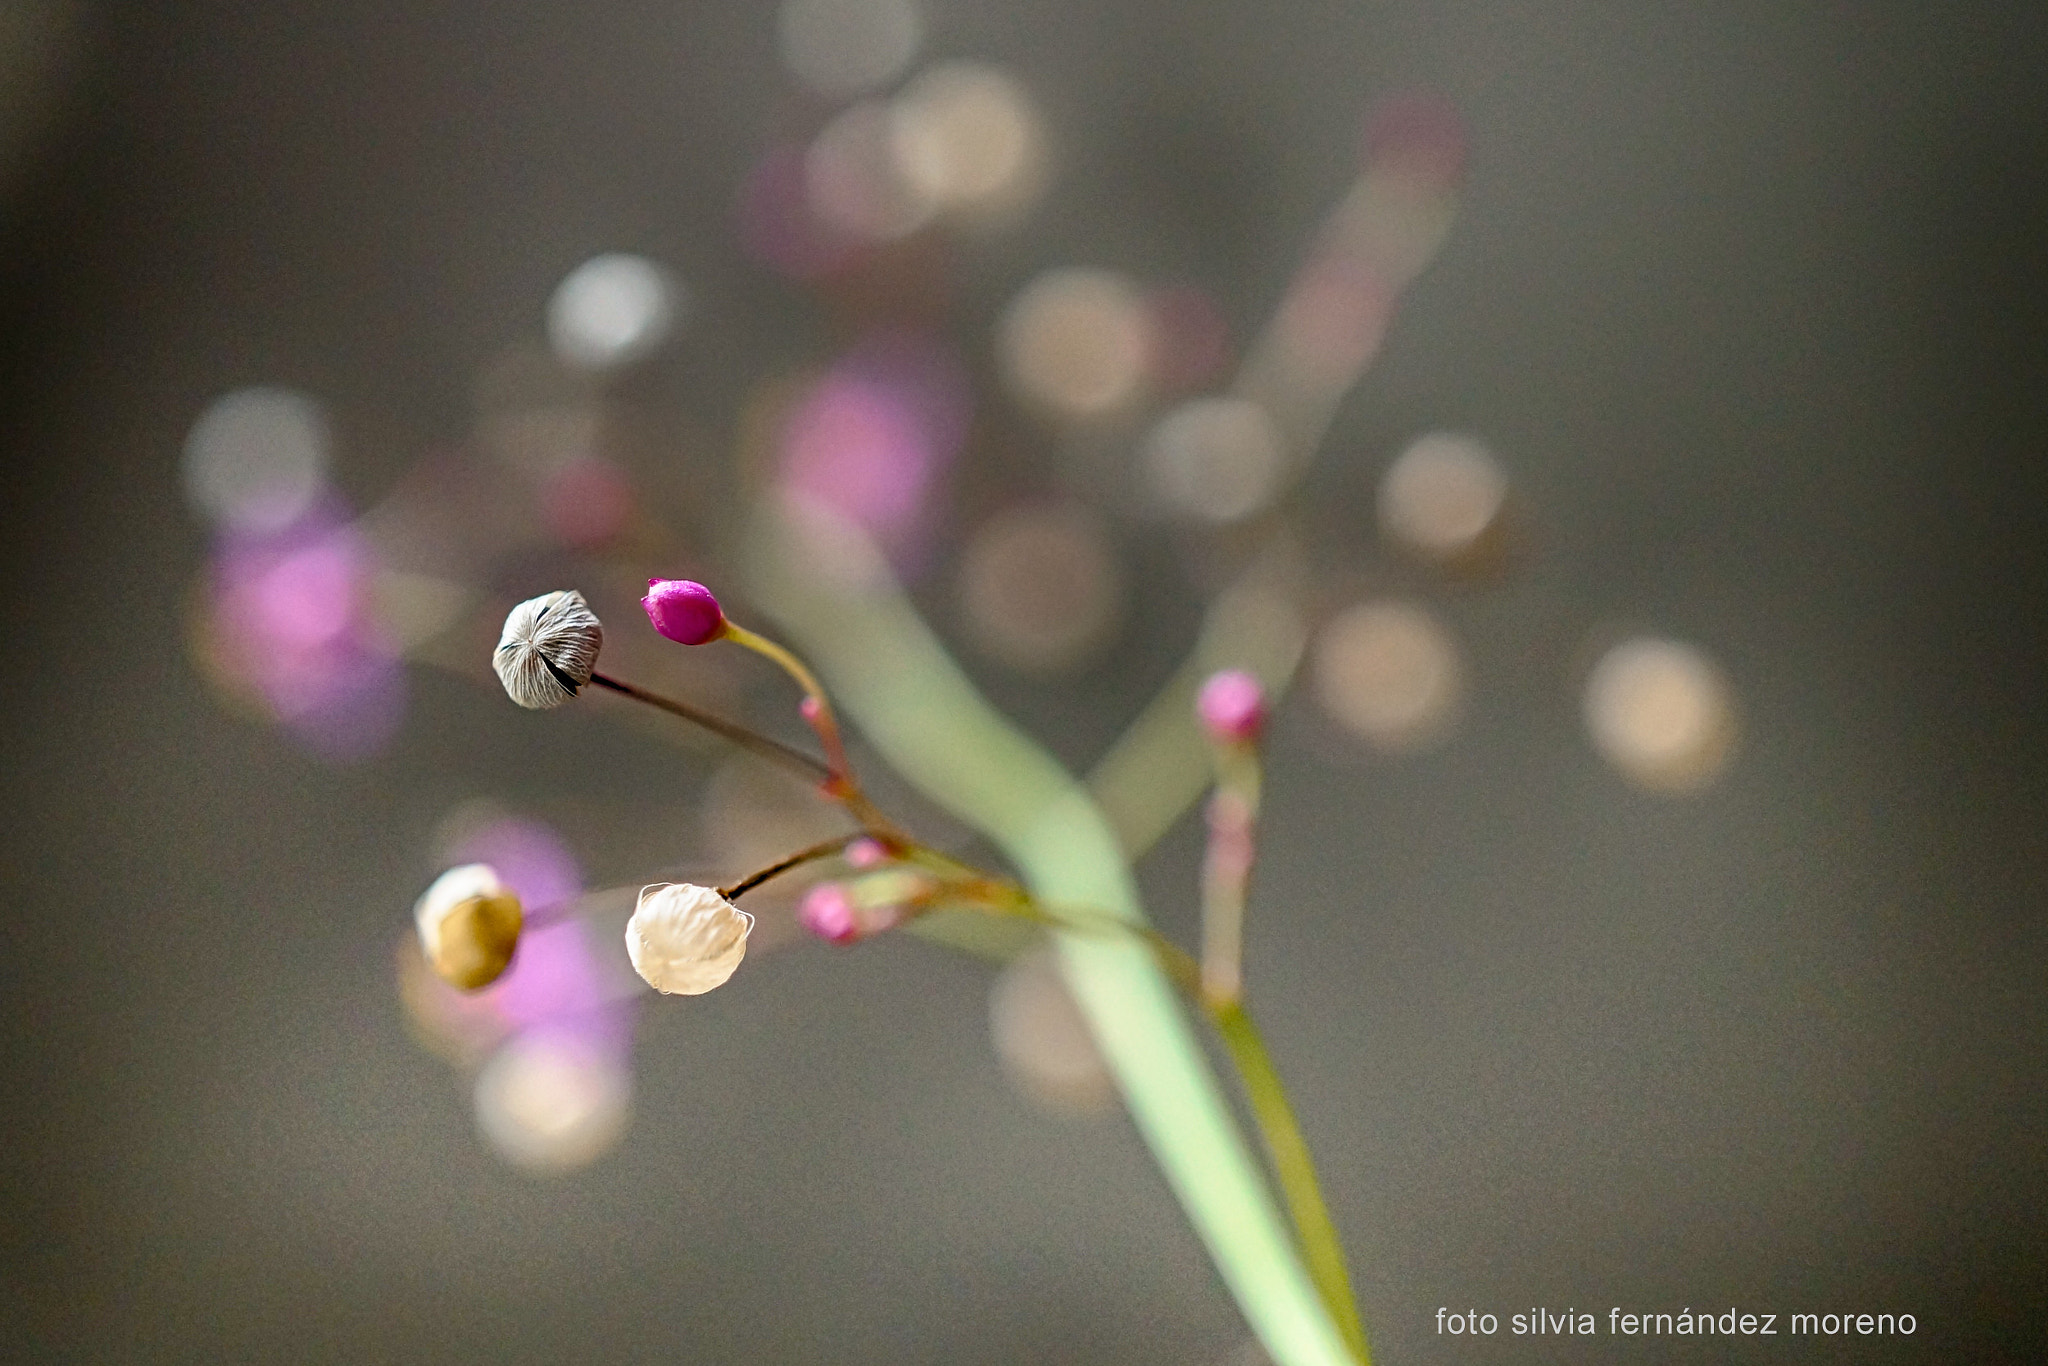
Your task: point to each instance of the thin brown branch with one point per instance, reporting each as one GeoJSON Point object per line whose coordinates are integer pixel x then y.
{"type": "Point", "coordinates": [752, 741]}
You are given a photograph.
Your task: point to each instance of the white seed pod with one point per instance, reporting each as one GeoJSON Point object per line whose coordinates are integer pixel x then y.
{"type": "Point", "coordinates": [686, 939]}
{"type": "Point", "coordinates": [469, 925]}
{"type": "Point", "coordinates": [549, 649]}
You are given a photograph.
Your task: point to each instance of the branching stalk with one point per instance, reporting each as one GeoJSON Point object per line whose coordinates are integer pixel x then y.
{"type": "Point", "coordinates": [1223, 889]}
{"type": "Point", "coordinates": [840, 784]}
{"type": "Point", "coordinates": [1286, 1149]}
{"type": "Point", "coordinates": [750, 740]}
{"type": "Point", "coordinates": [821, 850]}
{"type": "Point", "coordinates": [817, 709]}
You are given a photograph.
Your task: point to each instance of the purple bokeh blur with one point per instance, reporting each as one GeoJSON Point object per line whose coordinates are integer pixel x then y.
{"type": "Point", "coordinates": [293, 622]}
{"type": "Point", "coordinates": [871, 440]}
{"type": "Point", "coordinates": [556, 982]}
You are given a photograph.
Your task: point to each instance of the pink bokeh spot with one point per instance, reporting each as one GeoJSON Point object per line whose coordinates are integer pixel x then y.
{"type": "Point", "coordinates": [862, 450]}
{"type": "Point", "coordinates": [870, 439]}
{"type": "Point", "coordinates": [556, 981]}
{"type": "Point", "coordinates": [307, 597]}
{"type": "Point", "coordinates": [292, 610]}
{"type": "Point", "coordinates": [529, 857]}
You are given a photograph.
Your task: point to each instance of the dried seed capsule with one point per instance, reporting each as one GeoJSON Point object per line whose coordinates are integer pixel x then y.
{"type": "Point", "coordinates": [549, 649]}
{"type": "Point", "coordinates": [469, 925]}
{"type": "Point", "coordinates": [684, 939]}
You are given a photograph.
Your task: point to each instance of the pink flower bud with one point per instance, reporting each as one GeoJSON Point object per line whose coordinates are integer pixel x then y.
{"type": "Point", "coordinates": [865, 853]}
{"type": "Point", "coordinates": [1232, 707]}
{"type": "Point", "coordinates": [683, 610]}
{"type": "Point", "coordinates": [827, 912]}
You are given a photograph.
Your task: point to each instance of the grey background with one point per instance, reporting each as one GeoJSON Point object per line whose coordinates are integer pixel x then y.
{"type": "Point", "coordinates": [1749, 296]}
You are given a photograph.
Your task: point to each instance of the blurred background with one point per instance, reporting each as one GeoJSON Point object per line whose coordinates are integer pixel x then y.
{"type": "Point", "coordinates": [1638, 415]}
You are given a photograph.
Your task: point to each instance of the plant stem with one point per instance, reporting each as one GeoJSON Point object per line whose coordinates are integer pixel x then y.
{"type": "Point", "coordinates": [1293, 1166]}
{"type": "Point", "coordinates": [922, 714]}
{"type": "Point", "coordinates": [840, 783]}
{"type": "Point", "coordinates": [1285, 1148]}
{"type": "Point", "coordinates": [1226, 869]}
{"type": "Point", "coordinates": [817, 709]}
{"type": "Point", "coordinates": [752, 741]}
{"type": "Point", "coordinates": [822, 849]}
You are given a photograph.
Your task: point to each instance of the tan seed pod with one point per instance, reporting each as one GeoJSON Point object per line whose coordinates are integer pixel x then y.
{"type": "Point", "coordinates": [469, 925]}
{"type": "Point", "coordinates": [549, 649]}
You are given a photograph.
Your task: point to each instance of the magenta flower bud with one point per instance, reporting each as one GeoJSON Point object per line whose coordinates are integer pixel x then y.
{"type": "Point", "coordinates": [1232, 707]}
{"type": "Point", "coordinates": [865, 853]}
{"type": "Point", "coordinates": [683, 610]}
{"type": "Point", "coordinates": [827, 912]}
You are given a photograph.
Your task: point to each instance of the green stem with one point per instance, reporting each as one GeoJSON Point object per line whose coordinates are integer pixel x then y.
{"type": "Point", "coordinates": [841, 785]}
{"type": "Point", "coordinates": [1288, 1152]}
{"type": "Point", "coordinates": [1226, 868]}
{"type": "Point", "coordinates": [922, 714]}
{"type": "Point", "coordinates": [819, 710]}
{"type": "Point", "coordinates": [1293, 1166]}
{"type": "Point", "coordinates": [1295, 1169]}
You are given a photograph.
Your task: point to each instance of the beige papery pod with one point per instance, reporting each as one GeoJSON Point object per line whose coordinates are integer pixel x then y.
{"type": "Point", "coordinates": [686, 939]}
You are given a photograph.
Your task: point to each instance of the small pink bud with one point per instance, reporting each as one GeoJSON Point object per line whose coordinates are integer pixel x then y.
{"type": "Point", "coordinates": [865, 853]}
{"type": "Point", "coordinates": [1232, 707]}
{"type": "Point", "coordinates": [683, 610]}
{"type": "Point", "coordinates": [827, 912]}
